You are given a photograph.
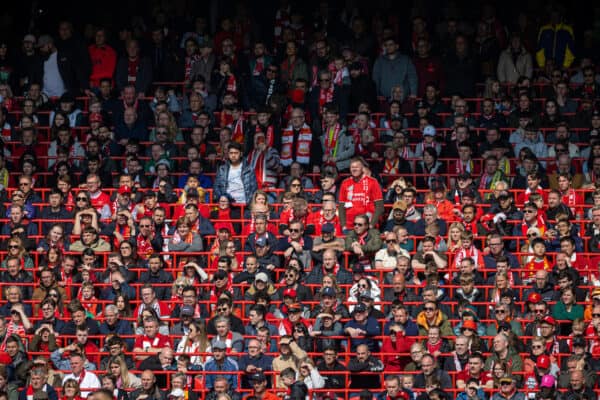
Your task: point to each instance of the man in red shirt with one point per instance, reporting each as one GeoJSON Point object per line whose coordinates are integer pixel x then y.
{"type": "Point", "coordinates": [323, 216]}
{"type": "Point", "coordinates": [475, 371]}
{"type": "Point", "coordinates": [570, 197]}
{"type": "Point", "coordinates": [100, 200]}
{"type": "Point", "coordinates": [360, 194]}
{"type": "Point", "coordinates": [151, 341]}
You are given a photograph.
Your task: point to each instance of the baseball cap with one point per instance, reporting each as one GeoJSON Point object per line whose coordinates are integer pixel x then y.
{"type": "Point", "coordinates": [177, 393]}
{"type": "Point", "coordinates": [548, 381]}
{"type": "Point", "coordinates": [328, 291]}
{"type": "Point", "coordinates": [464, 175]}
{"type": "Point", "coordinates": [328, 228]}
{"type": "Point", "coordinates": [360, 307]}
{"type": "Point", "coordinates": [295, 307]}
{"type": "Point", "coordinates": [596, 293]}
{"type": "Point", "coordinates": [262, 276]}
{"type": "Point", "coordinates": [289, 292]}
{"type": "Point", "coordinates": [534, 298]}
{"type": "Point", "coordinates": [258, 377]}
{"type": "Point", "coordinates": [29, 38]}
{"type": "Point", "coordinates": [187, 310]}
{"type": "Point", "coordinates": [579, 341]}
{"type": "Point", "coordinates": [429, 131]}
{"type": "Point", "coordinates": [543, 362]}
{"type": "Point", "coordinates": [400, 205]}
{"type": "Point", "coordinates": [548, 320]}
{"type": "Point", "coordinates": [507, 379]}
{"type": "Point", "coordinates": [261, 242]}
{"type": "Point", "coordinates": [218, 344]}
{"type": "Point", "coordinates": [124, 189]}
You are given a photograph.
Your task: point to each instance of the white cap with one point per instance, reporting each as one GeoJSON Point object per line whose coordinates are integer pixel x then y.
{"type": "Point", "coordinates": [429, 131]}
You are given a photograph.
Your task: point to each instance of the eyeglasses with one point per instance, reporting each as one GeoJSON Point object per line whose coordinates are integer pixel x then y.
{"type": "Point", "coordinates": [81, 198]}
{"type": "Point", "coordinates": [358, 224]}
{"type": "Point", "coordinates": [596, 315]}
{"type": "Point", "coordinates": [363, 286]}
{"type": "Point", "coordinates": [144, 226]}
{"type": "Point", "coordinates": [13, 246]}
{"type": "Point", "coordinates": [295, 230]}
{"type": "Point", "coordinates": [222, 309]}
{"type": "Point", "coordinates": [289, 276]}
{"type": "Point", "coordinates": [528, 211]}
{"type": "Point", "coordinates": [429, 309]}
{"type": "Point", "coordinates": [500, 311]}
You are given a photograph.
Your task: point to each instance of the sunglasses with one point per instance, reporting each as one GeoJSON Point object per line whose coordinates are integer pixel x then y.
{"type": "Point", "coordinates": [358, 224]}
{"type": "Point", "coordinates": [596, 315]}
{"type": "Point", "coordinates": [428, 309]}
{"type": "Point", "coordinates": [81, 199]}
{"type": "Point", "coordinates": [528, 211]}
{"type": "Point", "coordinates": [531, 235]}
{"type": "Point", "coordinates": [295, 230]}
{"type": "Point", "coordinates": [391, 241]}
{"type": "Point", "coordinates": [12, 246]}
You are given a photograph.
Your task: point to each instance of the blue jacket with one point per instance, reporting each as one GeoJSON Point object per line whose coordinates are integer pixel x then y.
{"type": "Point", "coordinates": [263, 362]}
{"type": "Point", "coordinates": [400, 71]}
{"type": "Point", "coordinates": [229, 365]}
{"type": "Point", "coordinates": [52, 395]}
{"type": "Point", "coordinates": [372, 328]}
{"type": "Point", "coordinates": [556, 42]}
{"type": "Point", "coordinates": [222, 181]}
{"type": "Point", "coordinates": [121, 328]}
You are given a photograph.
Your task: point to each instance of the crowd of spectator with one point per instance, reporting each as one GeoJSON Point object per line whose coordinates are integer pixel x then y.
{"type": "Point", "coordinates": [340, 210]}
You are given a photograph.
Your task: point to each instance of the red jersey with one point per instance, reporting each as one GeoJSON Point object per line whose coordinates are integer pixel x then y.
{"type": "Point", "coordinates": [144, 342]}
{"type": "Point", "coordinates": [104, 61]}
{"type": "Point", "coordinates": [572, 199]}
{"type": "Point", "coordinates": [99, 200]}
{"type": "Point", "coordinates": [359, 197]}
{"type": "Point", "coordinates": [318, 220]}
{"type": "Point", "coordinates": [484, 376]}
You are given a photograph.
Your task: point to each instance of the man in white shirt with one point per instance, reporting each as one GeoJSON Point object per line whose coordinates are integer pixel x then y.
{"type": "Point", "coordinates": [53, 84]}
{"type": "Point", "coordinates": [88, 381]}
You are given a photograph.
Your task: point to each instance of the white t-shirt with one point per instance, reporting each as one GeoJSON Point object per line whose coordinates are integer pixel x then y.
{"type": "Point", "coordinates": [235, 186]}
{"type": "Point", "coordinates": [53, 83]}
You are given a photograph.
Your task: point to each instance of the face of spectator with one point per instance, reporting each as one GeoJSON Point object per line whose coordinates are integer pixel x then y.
{"type": "Point", "coordinates": [500, 344]}
{"type": "Point", "coordinates": [360, 226]}
{"type": "Point", "coordinates": [427, 366]}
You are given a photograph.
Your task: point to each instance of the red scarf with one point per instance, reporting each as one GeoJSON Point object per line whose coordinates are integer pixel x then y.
{"type": "Point", "coordinates": [214, 295]}
{"type": "Point", "coordinates": [391, 167]}
{"type": "Point", "coordinates": [325, 96]}
{"type": "Point", "coordinates": [259, 66]}
{"type": "Point", "coordinates": [238, 131]}
{"type": "Point", "coordinates": [132, 70]}
{"type": "Point", "coordinates": [269, 134]}
{"type": "Point", "coordinates": [144, 247]}
{"type": "Point", "coordinates": [231, 84]}
{"type": "Point", "coordinates": [125, 231]}
{"type": "Point", "coordinates": [539, 223]}
{"type": "Point", "coordinates": [461, 167]}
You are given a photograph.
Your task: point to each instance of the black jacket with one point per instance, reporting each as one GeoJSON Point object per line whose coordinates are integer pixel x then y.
{"type": "Point", "coordinates": [73, 73]}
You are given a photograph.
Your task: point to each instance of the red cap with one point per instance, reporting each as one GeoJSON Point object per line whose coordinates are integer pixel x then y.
{"type": "Point", "coordinates": [124, 189]}
{"type": "Point", "coordinates": [469, 324]}
{"type": "Point", "coordinates": [548, 320]}
{"type": "Point", "coordinates": [289, 293]}
{"type": "Point", "coordinates": [534, 298]}
{"type": "Point", "coordinates": [543, 362]}
{"type": "Point", "coordinates": [96, 117]}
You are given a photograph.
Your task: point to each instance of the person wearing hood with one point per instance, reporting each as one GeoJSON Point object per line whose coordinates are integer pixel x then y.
{"type": "Point", "coordinates": [432, 316]}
